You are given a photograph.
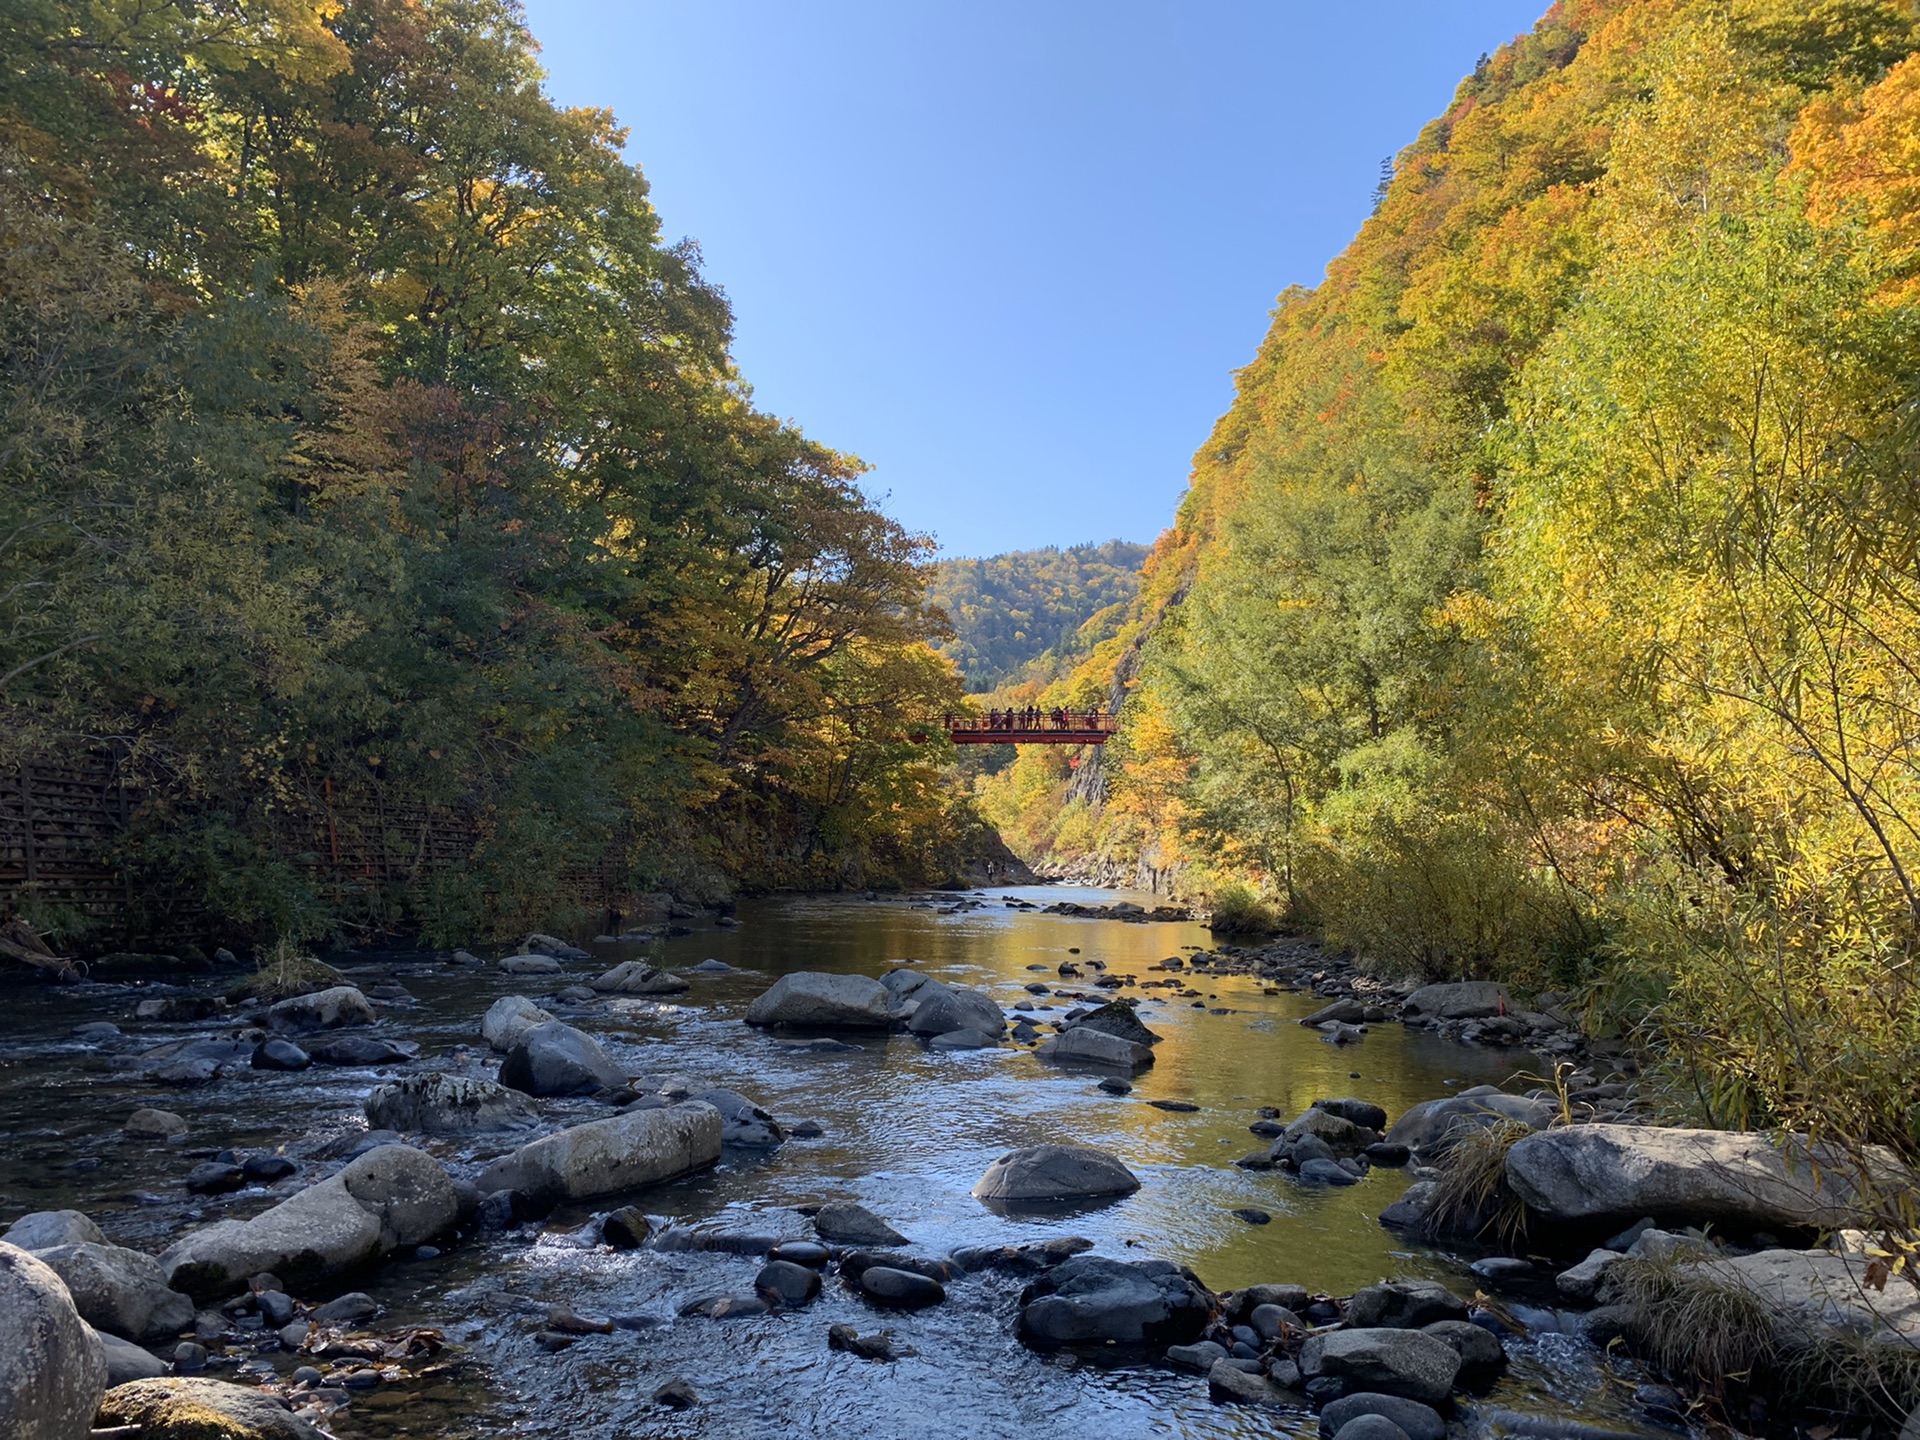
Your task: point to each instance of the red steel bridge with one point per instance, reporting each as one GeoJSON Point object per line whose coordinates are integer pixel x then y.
{"type": "Point", "coordinates": [1031, 726]}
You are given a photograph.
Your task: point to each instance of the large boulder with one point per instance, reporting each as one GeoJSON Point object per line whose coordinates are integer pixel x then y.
{"type": "Point", "coordinates": [178, 1407]}
{"type": "Point", "coordinates": [442, 1104]}
{"type": "Point", "coordinates": [127, 1361]}
{"type": "Point", "coordinates": [1814, 1296]}
{"type": "Point", "coordinates": [1462, 1000]}
{"type": "Point", "coordinates": [605, 1157]}
{"type": "Point", "coordinates": [120, 1291]}
{"type": "Point", "coordinates": [1080, 1046]}
{"type": "Point", "coordinates": [1431, 1128]}
{"type": "Point", "coordinates": [815, 1000]}
{"type": "Point", "coordinates": [1341, 1136]}
{"type": "Point", "coordinates": [1089, 1299]}
{"type": "Point", "coordinates": [1403, 1305]}
{"type": "Point", "coordinates": [322, 1010]}
{"type": "Point", "coordinates": [1618, 1173]}
{"type": "Point", "coordinates": [1409, 1363]}
{"type": "Point", "coordinates": [1363, 1113]}
{"type": "Point", "coordinates": [943, 1009]}
{"type": "Point", "coordinates": [1043, 1173]}
{"type": "Point", "coordinates": [389, 1197]}
{"type": "Point", "coordinates": [841, 1222]}
{"type": "Point", "coordinates": [636, 977]}
{"type": "Point", "coordinates": [44, 1229]}
{"type": "Point", "coordinates": [52, 1369]}
{"type": "Point", "coordinates": [556, 1059]}
{"type": "Point", "coordinates": [1117, 1018]}
{"type": "Point", "coordinates": [507, 1019]}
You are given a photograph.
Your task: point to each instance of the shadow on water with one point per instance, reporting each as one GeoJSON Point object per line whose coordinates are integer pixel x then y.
{"type": "Point", "coordinates": [907, 1131]}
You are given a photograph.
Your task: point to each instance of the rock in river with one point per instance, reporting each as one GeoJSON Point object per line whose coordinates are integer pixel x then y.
{"type": "Point", "coordinates": [1403, 1305]}
{"type": "Point", "coordinates": [1431, 1127]}
{"type": "Point", "coordinates": [844, 1223]}
{"type": "Point", "coordinates": [441, 1104]}
{"type": "Point", "coordinates": [815, 1000]}
{"type": "Point", "coordinates": [1080, 1046]}
{"type": "Point", "coordinates": [178, 1408]}
{"type": "Point", "coordinates": [508, 1018]}
{"type": "Point", "coordinates": [1042, 1173]}
{"type": "Point", "coordinates": [361, 1052]}
{"type": "Point", "coordinates": [1463, 1000]}
{"type": "Point", "coordinates": [118, 1290]}
{"type": "Point", "coordinates": [1620, 1172]}
{"type": "Point", "coordinates": [943, 1009]}
{"type": "Point", "coordinates": [904, 1289]}
{"type": "Point", "coordinates": [605, 1157]}
{"type": "Point", "coordinates": [1408, 1363]}
{"type": "Point", "coordinates": [1416, 1421]}
{"type": "Point", "coordinates": [741, 1121]}
{"type": "Point", "coordinates": [389, 1197]}
{"type": "Point", "coordinates": [636, 977]}
{"type": "Point", "coordinates": [1089, 1299]}
{"type": "Point", "coordinates": [324, 1010]}
{"type": "Point", "coordinates": [52, 1368]}
{"type": "Point", "coordinates": [44, 1229]}
{"type": "Point", "coordinates": [147, 1124]}
{"type": "Point", "coordinates": [279, 1054]}
{"type": "Point", "coordinates": [786, 1284]}
{"type": "Point", "coordinates": [1117, 1018]}
{"type": "Point", "coordinates": [556, 1059]}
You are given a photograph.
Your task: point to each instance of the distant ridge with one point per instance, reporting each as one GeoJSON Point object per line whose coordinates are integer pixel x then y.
{"type": "Point", "coordinates": [1009, 610]}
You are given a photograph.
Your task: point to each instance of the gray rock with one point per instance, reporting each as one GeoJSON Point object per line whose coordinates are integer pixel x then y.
{"type": "Point", "coordinates": [1582, 1281]}
{"type": "Point", "coordinates": [1272, 1322]}
{"type": "Point", "coordinates": [529, 965]}
{"type": "Point", "coordinates": [120, 1291]}
{"type": "Point", "coordinates": [963, 1040]}
{"type": "Point", "coordinates": [1054, 1172]}
{"type": "Point", "coordinates": [1665, 1245]}
{"type": "Point", "coordinates": [844, 1223]}
{"type": "Point", "coordinates": [252, 1413]}
{"type": "Point", "coordinates": [279, 1054]}
{"type": "Point", "coordinates": [605, 1157]}
{"type": "Point", "coordinates": [127, 1361]}
{"type": "Point", "coordinates": [1228, 1384]}
{"type": "Point", "coordinates": [215, 1177]}
{"type": "Point", "coordinates": [626, 1228]}
{"type": "Point", "coordinates": [1326, 1172]}
{"type": "Point", "coordinates": [1618, 1172]}
{"type": "Point", "coordinates": [1119, 1019]}
{"type": "Point", "coordinates": [1339, 1012]}
{"type": "Point", "coordinates": [1463, 1000]}
{"type": "Point", "coordinates": [44, 1229]}
{"type": "Point", "coordinates": [902, 983]}
{"type": "Point", "coordinates": [903, 1288]}
{"type": "Point", "coordinates": [787, 1284]}
{"type": "Point", "coordinates": [815, 1000]}
{"type": "Point", "coordinates": [1089, 1298]}
{"type": "Point", "coordinates": [1287, 1297]}
{"type": "Point", "coordinates": [1341, 1136]}
{"type": "Point", "coordinates": [636, 977]}
{"type": "Point", "coordinates": [1429, 1128]}
{"type": "Point", "coordinates": [1364, 1113]}
{"type": "Point", "coordinates": [276, 1308]}
{"type": "Point", "coordinates": [1393, 1362]}
{"type": "Point", "coordinates": [345, 1310]}
{"type": "Point", "coordinates": [145, 1124]}
{"type": "Point", "coordinates": [389, 1197]}
{"type": "Point", "coordinates": [1817, 1295]}
{"type": "Point", "coordinates": [741, 1121]}
{"type": "Point", "coordinates": [442, 1104]}
{"type": "Point", "coordinates": [1199, 1356]}
{"type": "Point", "coordinates": [556, 1059]}
{"type": "Point", "coordinates": [1482, 1358]}
{"type": "Point", "coordinates": [362, 1052]}
{"type": "Point", "coordinates": [508, 1018]}
{"type": "Point", "coordinates": [1097, 1048]}
{"type": "Point", "coordinates": [1371, 1427]}
{"type": "Point", "coordinates": [52, 1368]}
{"type": "Point", "coordinates": [946, 1008]}
{"type": "Point", "coordinates": [1403, 1305]}
{"type": "Point", "coordinates": [1410, 1211]}
{"type": "Point", "coordinates": [324, 1010]}
{"type": "Point", "coordinates": [1416, 1421]}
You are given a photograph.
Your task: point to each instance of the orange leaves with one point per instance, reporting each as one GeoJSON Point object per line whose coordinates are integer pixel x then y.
{"type": "Point", "coordinates": [1859, 152]}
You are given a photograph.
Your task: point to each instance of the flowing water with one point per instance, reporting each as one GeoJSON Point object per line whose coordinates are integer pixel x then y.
{"type": "Point", "coordinates": [907, 1131]}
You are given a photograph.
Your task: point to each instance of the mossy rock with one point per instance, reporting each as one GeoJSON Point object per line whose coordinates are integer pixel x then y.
{"type": "Point", "coordinates": [181, 1408]}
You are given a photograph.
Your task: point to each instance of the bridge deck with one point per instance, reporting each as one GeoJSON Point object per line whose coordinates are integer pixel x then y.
{"type": "Point", "coordinates": [1051, 727]}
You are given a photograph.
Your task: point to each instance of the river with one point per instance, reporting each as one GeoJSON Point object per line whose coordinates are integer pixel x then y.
{"type": "Point", "coordinates": [907, 1131]}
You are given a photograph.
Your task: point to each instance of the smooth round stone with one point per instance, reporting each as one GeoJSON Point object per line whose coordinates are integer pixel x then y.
{"type": "Point", "coordinates": [900, 1287]}
{"type": "Point", "coordinates": [802, 1252]}
{"type": "Point", "coordinates": [786, 1283]}
{"type": "Point", "coordinates": [280, 1055]}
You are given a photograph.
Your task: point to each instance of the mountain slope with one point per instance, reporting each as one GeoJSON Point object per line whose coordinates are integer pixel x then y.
{"type": "Point", "coordinates": [1008, 610]}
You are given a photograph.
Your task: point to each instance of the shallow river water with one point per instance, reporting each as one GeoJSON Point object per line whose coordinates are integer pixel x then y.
{"type": "Point", "coordinates": [907, 1132]}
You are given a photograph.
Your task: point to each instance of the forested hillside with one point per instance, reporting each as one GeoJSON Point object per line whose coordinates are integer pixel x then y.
{"type": "Point", "coordinates": [364, 443]}
{"type": "Point", "coordinates": [1546, 605]}
{"type": "Point", "coordinates": [1009, 610]}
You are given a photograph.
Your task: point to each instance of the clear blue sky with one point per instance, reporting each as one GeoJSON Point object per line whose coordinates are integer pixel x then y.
{"type": "Point", "coordinates": [1011, 253]}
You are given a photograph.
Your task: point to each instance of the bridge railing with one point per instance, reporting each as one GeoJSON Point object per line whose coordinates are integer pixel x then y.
{"type": "Point", "coordinates": [1031, 724]}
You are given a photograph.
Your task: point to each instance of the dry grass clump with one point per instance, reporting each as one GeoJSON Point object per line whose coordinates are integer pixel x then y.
{"type": "Point", "coordinates": [1472, 1195]}
{"type": "Point", "coordinates": [283, 971]}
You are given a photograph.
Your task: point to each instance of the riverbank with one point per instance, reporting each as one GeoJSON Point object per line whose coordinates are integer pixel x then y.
{"type": "Point", "coordinates": [902, 1125]}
